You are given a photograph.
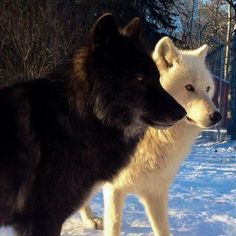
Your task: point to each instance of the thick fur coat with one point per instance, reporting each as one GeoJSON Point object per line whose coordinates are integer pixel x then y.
{"type": "Point", "coordinates": [159, 154]}
{"type": "Point", "coordinates": [62, 134]}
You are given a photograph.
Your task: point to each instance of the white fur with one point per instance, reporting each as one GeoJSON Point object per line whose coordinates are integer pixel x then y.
{"type": "Point", "coordinates": [159, 155]}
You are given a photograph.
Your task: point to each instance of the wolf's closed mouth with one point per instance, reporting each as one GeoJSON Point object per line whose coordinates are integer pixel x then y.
{"type": "Point", "coordinates": [190, 120]}
{"type": "Point", "coordinates": [157, 124]}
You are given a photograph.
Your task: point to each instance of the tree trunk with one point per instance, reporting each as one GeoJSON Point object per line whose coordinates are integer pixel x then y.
{"type": "Point", "coordinates": [232, 93]}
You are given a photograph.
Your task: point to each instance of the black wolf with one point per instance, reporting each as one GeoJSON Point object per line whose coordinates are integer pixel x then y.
{"type": "Point", "coordinates": [61, 134]}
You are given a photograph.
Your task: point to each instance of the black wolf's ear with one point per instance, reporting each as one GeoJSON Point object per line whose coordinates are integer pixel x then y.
{"type": "Point", "coordinates": [104, 31]}
{"type": "Point", "coordinates": [133, 29]}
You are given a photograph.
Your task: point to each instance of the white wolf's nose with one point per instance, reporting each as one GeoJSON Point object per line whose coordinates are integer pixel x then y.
{"type": "Point", "coordinates": [215, 117]}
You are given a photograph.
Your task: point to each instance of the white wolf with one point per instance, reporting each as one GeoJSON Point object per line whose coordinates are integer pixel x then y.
{"type": "Point", "coordinates": [155, 163]}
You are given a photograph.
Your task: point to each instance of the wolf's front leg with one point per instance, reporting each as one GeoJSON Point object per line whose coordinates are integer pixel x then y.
{"type": "Point", "coordinates": [89, 220]}
{"type": "Point", "coordinates": [156, 206]}
{"type": "Point", "coordinates": [113, 204]}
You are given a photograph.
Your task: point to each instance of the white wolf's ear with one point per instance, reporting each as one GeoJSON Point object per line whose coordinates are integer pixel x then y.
{"type": "Point", "coordinates": [165, 54]}
{"type": "Point", "coordinates": [202, 51]}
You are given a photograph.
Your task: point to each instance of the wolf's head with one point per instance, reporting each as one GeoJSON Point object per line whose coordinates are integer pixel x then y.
{"type": "Point", "coordinates": [123, 79]}
{"type": "Point", "coordinates": [185, 76]}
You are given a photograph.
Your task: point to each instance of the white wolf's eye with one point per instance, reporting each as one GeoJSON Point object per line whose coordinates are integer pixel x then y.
{"type": "Point", "coordinates": [208, 88]}
{"type": "Point", "coordinates": [189, 87]}
{"type": "Point", "coordinates": [140, 77]}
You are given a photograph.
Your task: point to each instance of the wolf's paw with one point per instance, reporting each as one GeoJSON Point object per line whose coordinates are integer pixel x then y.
{"type": "Point", "coordinates": [94, 223]}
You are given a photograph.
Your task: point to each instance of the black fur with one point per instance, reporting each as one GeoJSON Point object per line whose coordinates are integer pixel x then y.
{"type": "Point", "coordinates": [61, 134]}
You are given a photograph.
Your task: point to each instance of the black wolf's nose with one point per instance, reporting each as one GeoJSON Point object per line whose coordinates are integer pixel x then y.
{"type": "Point", "coordinates": [215, 117]}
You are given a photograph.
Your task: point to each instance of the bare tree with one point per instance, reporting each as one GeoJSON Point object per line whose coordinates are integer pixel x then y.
{"type": "Point", "coordinates": [33, 37]}
{"type": "Point", "coordinates": [209, 27]}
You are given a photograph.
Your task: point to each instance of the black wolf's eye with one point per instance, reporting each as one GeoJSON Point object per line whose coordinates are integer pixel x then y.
{"type": "Point", "coordinates": [208, 88]}
{"type": "Point", "coordinates": [189, 87]}
{"type": "Point", "coordinates": [140, 77]}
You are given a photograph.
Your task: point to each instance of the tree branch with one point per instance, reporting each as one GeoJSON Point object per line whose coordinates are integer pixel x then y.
{"type": "Point", "coordinates": [232, 4]}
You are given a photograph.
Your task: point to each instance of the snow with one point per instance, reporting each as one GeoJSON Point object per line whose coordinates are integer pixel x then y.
{"type": "Point", "coordinates": [202, 199]}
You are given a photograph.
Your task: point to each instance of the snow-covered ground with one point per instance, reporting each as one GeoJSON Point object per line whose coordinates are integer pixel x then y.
{"type": "Point", "coordinates": [202, 200]}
